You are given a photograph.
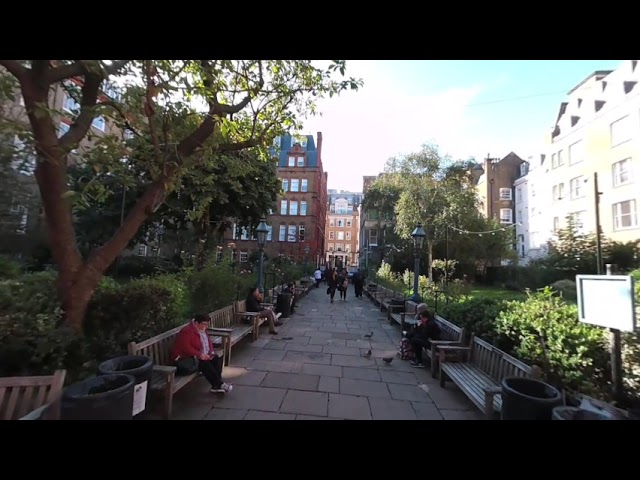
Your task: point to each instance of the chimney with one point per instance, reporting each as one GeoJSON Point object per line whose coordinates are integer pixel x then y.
{"type": "Point", "coordinates": [319, 147]}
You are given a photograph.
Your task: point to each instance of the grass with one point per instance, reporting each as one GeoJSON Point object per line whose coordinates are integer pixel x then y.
{"type": "Point", "coordinates": [497, 293]}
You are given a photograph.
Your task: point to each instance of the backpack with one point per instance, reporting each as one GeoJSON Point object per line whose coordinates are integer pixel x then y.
{"type": "Point", "coordinates": [405, 351]}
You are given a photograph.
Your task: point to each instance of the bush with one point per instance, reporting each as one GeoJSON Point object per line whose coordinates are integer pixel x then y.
{"type": "Point", "coordinates": [545, 331]}
{"type": "Point", "coordinates": [119, 314]}
{"type": "Point", "coordinates": [33, 342]}
{"type": "Point", "coordinates": [9, 268]}
{"type": "Point", "coordinates": [477, 315]}
{"type": "Point", "coordinates": [566, 288]}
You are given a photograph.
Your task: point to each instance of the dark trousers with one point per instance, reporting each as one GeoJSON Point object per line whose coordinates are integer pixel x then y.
{"type": "Point", "coordinates": [417, 344]}
{"type": "Point", "coordinates": [212, 370]}
{"type": "Point", "coordinates": [358, 290]}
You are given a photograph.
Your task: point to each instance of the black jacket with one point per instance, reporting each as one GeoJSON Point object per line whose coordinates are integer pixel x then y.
{"type": "Point", "coordinates": [430, 331]}
{"type": "Point", "coordinates": [252, 304]}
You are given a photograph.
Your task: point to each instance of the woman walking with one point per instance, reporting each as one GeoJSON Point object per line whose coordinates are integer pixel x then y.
{"type": "Point", "coordinates": [330, 278]}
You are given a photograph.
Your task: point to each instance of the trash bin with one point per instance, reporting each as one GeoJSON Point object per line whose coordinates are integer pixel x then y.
{"type": "Point", "coordinates": [283, 304]}
{"type": "Point", "coordinates": [528, 399]}
{"type": "Point", "coordinates": [139, 367]}
{"type": "Point", "coordinates": [106, 397]}
{"type": "Point", "coordinates": [576, 413]}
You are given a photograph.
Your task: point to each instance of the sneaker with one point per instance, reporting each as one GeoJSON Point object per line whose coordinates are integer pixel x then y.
{"type": "Point", "coordinates": [227, 387]}
{"type": "Point", "coordinates": [217, 390]}
{"type": "Point", "coordinates": [415, 364]}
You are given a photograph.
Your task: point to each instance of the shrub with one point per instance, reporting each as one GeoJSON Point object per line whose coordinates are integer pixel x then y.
{"type": "Point", "coordinates": [545, 331]}
{"type": "Point", "coordinates": [33, 342]}
{"type": "Point", "coordinates": [477, 315]}
{"type": "Point", "coordinates": [567, 288]}
{"type": "Point", "coordinates": [9, 268]}
{"type": "Point", "coordinates": [134, 311]}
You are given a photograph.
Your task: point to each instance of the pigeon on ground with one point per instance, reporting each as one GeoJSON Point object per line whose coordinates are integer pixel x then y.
{"type": "Point", "coordinates": [369, 335]}
{"type": "Point", "coordinates": [287, 338]}
{"type": "Point", "coordinates": [368, 354]}
{"type": "Point", "coordinates": [387, 360]}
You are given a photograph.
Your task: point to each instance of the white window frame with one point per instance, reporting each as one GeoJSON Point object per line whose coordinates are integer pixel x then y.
{"type": "Point", "coordinates": [301, 162]}
{"type": "Point", "coordinates": [506, 194]}
{"type": "Point", "coordinates": [303, 208]}
{"type": "Point", "coordinates": [283, 207]}
{"type": "Point", "coordinates": [282, 233]}
{"type": "Point", "coordinates": [504, 218]}
{"type": "Point", "coordinates": [622, 167]}
{"type": "Point", "coordinates": [576, 150]}
{"type": "Point", "coordinates": [292, 233]}
{"type": "Point", "coordinates": [340, 235]}
{"type": "Point", "coordinates": [244, 257]}
{"type": "Point", "coordinates": [292, 161]}
{"type": "Point", "coordinates": [304, 185]}
{"type": "Point", "coordinates": [302, 232]}
{"type": "Point", "coordinates": [619, 137]}
{"type": "Point", "coordinates": [285, 184]}
{"type": "Point", "coordinates": [295, 184]}
{"type": "Point", "coordinates": [99, 123]}
{"type": "Point", "coordinates": [332, 236]}
{"type": "Point", "coordinates": [618, 215]}
{"type": "Point", "coordinates": [575, 188]}
{"type": "Point", "coordinates": [142, 250]}
{"type": "Point", "coordinates": [293, 207]}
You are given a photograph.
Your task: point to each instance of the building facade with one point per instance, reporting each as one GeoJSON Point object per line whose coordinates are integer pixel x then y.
{"type": "Point", "coordinates": [297, 221]}
{"type": "Point", "coordinates": [596, 133]}
{"type": "Point", "coordinates": [370, 253]}
{"type": "Point", "coordinates": [342, 229]}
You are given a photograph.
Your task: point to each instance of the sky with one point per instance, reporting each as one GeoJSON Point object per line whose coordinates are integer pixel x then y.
{"type": "Point", "coordinates": [468, 108]}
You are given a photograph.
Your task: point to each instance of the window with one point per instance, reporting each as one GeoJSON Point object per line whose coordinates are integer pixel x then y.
{"type": "Point", "coordinates": [348, 235]}
{"type": "Point", "coordinates": [295, 184]}
{"type": "Point", "coordinates": [505, 194]}
{"type": "Point", "coordinates": [330, 247]}
{"type": "Point", "coordinates": [340, 235]}
{"type": "Point", "coordinates": [301, 232]}
{"type": "Point", "coordinates": [579, 220]}
{"type": "Point", "coordinates": [304, 185]}
{"type": "Point", "coordinates": [625, 215]}
{"type": "Point", "coordinates": [506, 215]}
{"type": "Point", "coordinates": [621, 131]}
{"type": "Point", "coordinates": [576, 153]}
{"type": "Point", "coordinates": [348, 223]}
{"type": "Point", "coordinates": [554, 160]}
{"type": "Point", "coordinates": [560, 158]}
{"type": "Point", "coordinates": [339, 247]}
{"type": "Point", "coordinates": [524, 169]}
{"type": "Point", "coordinates": [244, 257]}
{"type": "Point", "coordinates": [293, 207]}
{"type": "Point", "coordinates": [556, 224]}
{"type": "Point", "coordinates": [292, 161]}
{"type": "Point", "coordinates": [62, 129]}
{"type": "Point", "coordinates": [519, 195]}
{"type": "Point", "coordinates": [285, 184]}
{"type": "Point", "coordinates": [340, 223]}
{"type": "Point", "coordinates": [127, 134]}
{"type": "Point", "coordinates": [621, 172]}
{"type": "Point", "coordinates": [283, 233]}
{"type": "Point", "coordinates": [283, 207]}
{"type": "Point", "coordinates": [219, 256]}
{"type": "Point", "coordinates": [558, 191]}
{"type": "Point", "coordinates": [332, 222]}
{"type": "Point", "coordinates": [99, 123]}
{"type": "Point", "coordinates": [575, 185]}
{"type": "Point", "coordinates": [519, 216]}
{"type": "Point", "coordinates": [303, 207]}
{"type": "Point", "coordinates": [142, 250]}
{"type": "Point", "coordinates": [373, 237]}
{"type": "Point", "coordinates": [70, 105]}
{"type": "Point", "coordinates": [291, 236]}
{"type": "Point", "coordinates": [331, 236]}
{"type": "Point", "coordinates": [301, 161]}
{"type": "Point", "coordinates": [269, 233]}
{"type": "Point", "coordinates": [277, 141]}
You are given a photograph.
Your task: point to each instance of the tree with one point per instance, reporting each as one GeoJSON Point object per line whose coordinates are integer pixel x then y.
{"type": "Point", "coordinates": [434, 191]}
{"type": "Point", "coordinates": [182, 114]}
{"type": "Point", "coordinates": [573, 250]}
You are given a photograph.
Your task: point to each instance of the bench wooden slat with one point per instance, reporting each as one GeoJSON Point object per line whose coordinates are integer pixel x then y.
{"type": "Point", "coordinates": [480, 374]}
{"type": "Point", "coordinates": [21, 395]}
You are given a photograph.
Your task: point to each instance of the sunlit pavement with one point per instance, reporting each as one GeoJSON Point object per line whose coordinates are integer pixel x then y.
{"type": "Point", "coordinates": [314, 370]}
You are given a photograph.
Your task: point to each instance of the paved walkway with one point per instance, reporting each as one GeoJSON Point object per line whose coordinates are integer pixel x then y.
{"type": "Point", "coordinates": [314, 370]}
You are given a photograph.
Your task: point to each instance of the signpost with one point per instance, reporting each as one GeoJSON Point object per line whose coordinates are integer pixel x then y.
{"type": "Point", "coordinates": [608, 301]}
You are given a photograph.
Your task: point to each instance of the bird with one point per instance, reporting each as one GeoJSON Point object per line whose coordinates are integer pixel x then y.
{"type": "Point", "coordinates": [369, 335]}
{"type": "Point", "coordinates": [387, 360]}
{"type": "Point", "coordinates": [368, 354]}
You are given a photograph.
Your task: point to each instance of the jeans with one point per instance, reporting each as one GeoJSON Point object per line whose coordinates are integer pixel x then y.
{"type": "Point", "coordinates": [212, 370]}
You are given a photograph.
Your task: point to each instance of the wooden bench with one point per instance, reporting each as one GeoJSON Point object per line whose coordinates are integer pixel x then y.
{"type": "Point", "coordinates": [450, 334]}
{"type": "Point", "coordinates": [399, 313]}
{"type": "Point", "coordinates": [164, 380]}
{"type": "Point", "coordinates": [31, 398]}
{"type": "Point", "coordinates": [241, 315]}
{"type": "Point", "coordinates": [390, 299]}
{"type": "Point", "coordinates": [478, 371]}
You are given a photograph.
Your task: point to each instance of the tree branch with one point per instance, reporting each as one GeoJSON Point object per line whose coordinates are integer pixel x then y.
{"type": "Point", "coordinates": [115, 66]}
{"type": "Point", "coordinates": [87, 104]}
{"type": "Point", "coordinates": [118, 109]}
{"type": "Point", "coordinates": [63, 72]}
{"type": "Point", "coordinates": [14, 68]}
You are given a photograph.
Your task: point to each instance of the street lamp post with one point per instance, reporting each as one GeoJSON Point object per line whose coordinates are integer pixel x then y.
{"type": "Point", "coordinates": [418, 239]}
{"type": "Point", "coordinates": [306, 254]}
{"type": "Point", "coordinates": [261, 232]}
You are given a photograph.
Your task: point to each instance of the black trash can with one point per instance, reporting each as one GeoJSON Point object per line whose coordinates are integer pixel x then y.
{"type": "Point", "coordinates": [283, 305]}
{"type": "Point", "coordinates": [528, 399]}
{"type": "Point", "coordinates": [575, 413]}
{"type": "Point", "coordinates": [106, 397]}
{"type": "Point", "coordinates": [140, 368]}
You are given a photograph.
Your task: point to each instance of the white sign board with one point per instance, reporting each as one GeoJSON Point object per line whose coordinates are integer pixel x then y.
{"type": "Point", "coordinates": [139, 397]}
{"type": "Point", "coordinates": [607, 301]}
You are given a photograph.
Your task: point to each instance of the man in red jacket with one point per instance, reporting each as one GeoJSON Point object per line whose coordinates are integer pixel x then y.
{"type": "Point", "coordinates": [193, 342]}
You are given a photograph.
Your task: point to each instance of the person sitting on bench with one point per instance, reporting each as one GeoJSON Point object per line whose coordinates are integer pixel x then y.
{"type": "Point", "coordinates": [420, 337]}
{"type": "Point", "coordinates": [252, 304]}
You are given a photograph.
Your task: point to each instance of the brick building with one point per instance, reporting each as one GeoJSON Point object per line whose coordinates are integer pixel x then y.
{"type": "Point", "coordinates": [495, 187]}
{"type": "Point", "coordinates": [298, 220]}
{"type": "Point", "coordinates": [342, 228]}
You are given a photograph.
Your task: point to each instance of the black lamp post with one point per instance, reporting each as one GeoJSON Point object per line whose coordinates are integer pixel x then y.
{"type": "Point", "coordinates": [261, 232]}
{"type": "Point", "coordinates": [306, 254]}
{"type": "Point", "coordinates": [418, 239]}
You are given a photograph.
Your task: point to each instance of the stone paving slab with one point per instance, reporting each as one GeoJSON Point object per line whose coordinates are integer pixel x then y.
{"type": "Point", "coordinates": [320, 373]}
